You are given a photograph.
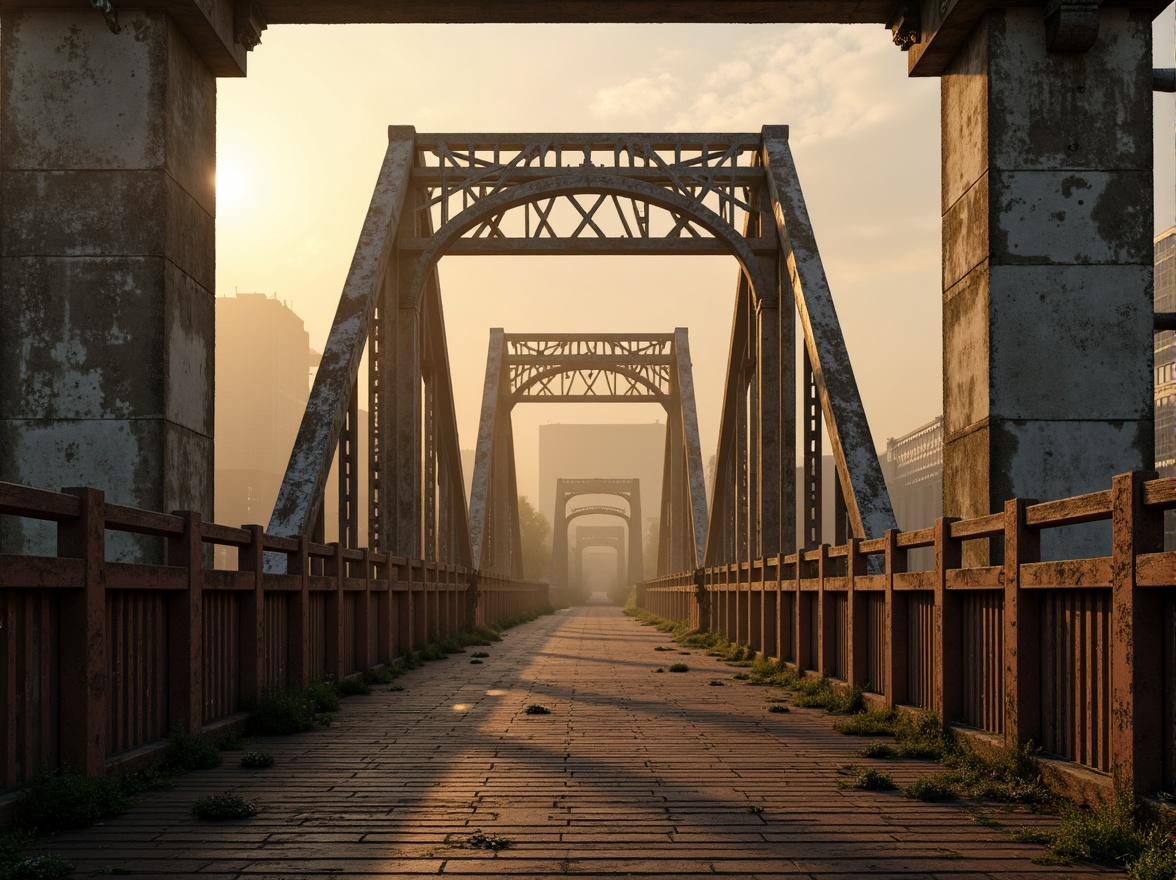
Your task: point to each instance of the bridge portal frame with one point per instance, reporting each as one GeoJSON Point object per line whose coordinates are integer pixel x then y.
{"type": "Point", "coordinates": [1013, 68]}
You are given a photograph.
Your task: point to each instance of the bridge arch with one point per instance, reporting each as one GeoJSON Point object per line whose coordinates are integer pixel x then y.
{"type": "Point", "coordinates": [590, 182]}
{"type": "Point", "coordinates": [651, 389]}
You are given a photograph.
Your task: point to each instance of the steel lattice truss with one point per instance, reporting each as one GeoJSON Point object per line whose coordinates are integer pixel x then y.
{"type": "Point", "coordinates": [439, 195]}
{"type": "Point", "coordinates": [560, 368]}
{"type": "Point", "coordinates": [459, 172]}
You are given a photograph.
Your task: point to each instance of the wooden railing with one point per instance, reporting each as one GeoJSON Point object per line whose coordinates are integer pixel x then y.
{"type": "Point", "coordinates": [98, 657]}
{"type": "Point", "coordinates": [1075, 655]}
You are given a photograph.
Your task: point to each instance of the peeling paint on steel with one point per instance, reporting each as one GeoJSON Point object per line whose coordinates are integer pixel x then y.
{"type": "Point", "coordinates": [480, 490]}
{"type": "Point", "coordinates": [699, 514]}
{"type": "Point", "coordinates": [849, 431]}
{"type": "Point", "coordinates": [306, 475]}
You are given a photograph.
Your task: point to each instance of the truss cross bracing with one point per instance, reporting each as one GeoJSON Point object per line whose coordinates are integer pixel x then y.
{"type": "Point", "coordinates": [449, 194]}
{"type": "Point", "coordinates": [589, 368]}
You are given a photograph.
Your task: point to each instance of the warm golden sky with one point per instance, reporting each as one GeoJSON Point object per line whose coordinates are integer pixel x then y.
{"type": "Point", "coordinates": [300, 142]}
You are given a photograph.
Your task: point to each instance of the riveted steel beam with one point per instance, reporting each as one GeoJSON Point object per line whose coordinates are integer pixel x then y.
{"type": "Point", "coordinates": [300, 498]}
{"type": "Point", "coordinates": [860, 473]}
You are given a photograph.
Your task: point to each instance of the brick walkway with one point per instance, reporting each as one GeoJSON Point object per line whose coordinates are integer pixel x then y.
{"type": "Point", "coordinates": [632, 774]}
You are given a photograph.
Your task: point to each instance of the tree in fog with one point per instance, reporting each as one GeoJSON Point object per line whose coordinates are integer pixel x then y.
{"type": "Point", "coordinates": [535, 531]}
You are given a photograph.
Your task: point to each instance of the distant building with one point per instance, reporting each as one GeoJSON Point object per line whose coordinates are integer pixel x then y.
{"type": "Point", "coordinates": [1165, 367]}
{"type": "Point", "coordinates": [913, 469]}
{"type": "Point", "coordinates": [263, 365]}
{"type": "Point", "coordinates": [1165, 355]}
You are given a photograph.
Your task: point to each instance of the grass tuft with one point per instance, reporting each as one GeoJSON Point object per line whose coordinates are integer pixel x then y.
{"type": "Point", "coordinates": [778, 708]}
{"type": "Point", "coordinates": [878, 751]}
{"type": "Point", "coordinates": [930, 788]}
{"type": "Point", "coordinates": [478, 839]}
{"type": "Point", "coordinates": [679, 667]}
{"type": "Point", "coordinates": [1119, 831]}
{"type": "Point", "coordinates": [60, 800]}
{"type": "Point", "coordinates": [224, 806]}
{"type": "Point", "coordinates": [46, 867]}
{"type": "Point", "coordinates": [257, 760]}
{"type": "Point", "coordinates": [537, 709]}
{"type": "Point", "coordinates": [279, 711]}
{"type": "Point", "coordinates": [868, 780]}
{"type": "Point", "coordinates": [354, 687]}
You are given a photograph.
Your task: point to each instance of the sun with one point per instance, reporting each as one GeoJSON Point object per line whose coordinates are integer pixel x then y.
{"type": "Point", "coordinates": [230, 184]}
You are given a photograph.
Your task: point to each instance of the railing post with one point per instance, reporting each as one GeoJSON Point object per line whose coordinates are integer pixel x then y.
{"type": "Point", "coordinates": [298, 622]}
{"type": "Point", "coordinates": [185, 625]}
{"type": "Point", "coordinates": [1022, 629]}
{"type": "Point", "coordinates": [801, 623]}
{"type": "Point", "coordinates": [894, 689]}
{"type": "Point", "coordinates": [1137, 698]}
{"type": "Point", "coordinates": [826, 620]}
{"type": "Point", "coordinates": [363, 612]}
{"type": "Point", "coordinates": [253, 635]}
{"type": "Point", "coordinates": [947, 656]}
{"type": "Point", "coordinates": [82, 638]}
{"type": "Point", "coordinates": [386, 619]}
{"type": "Point", "coordinates": [857, 660]}
{"type": "Point", "coordinates": [336, 665]}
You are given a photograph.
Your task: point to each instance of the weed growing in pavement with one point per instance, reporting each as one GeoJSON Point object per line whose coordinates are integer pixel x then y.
{"type": "Point", "coordinates": [659, 669]}
{"type": "Point", "coordinates": [867, 780]}
{"type": "Point", "coordinates": [14, 865]}
{"type": "Point", "coordinates": [475, 662]}
{"type": "Point", "coordinates": [1121, 831]}
{"type": "Point", "coordinates": [57, 800]}
{"type": "Point", "coordinates": [478, 655]}
{"type": "Point", "coordinates": [353, 687]}
{"type": "Point", "coordinates": [679, 667]}
{"type": "Point", "coordinates": [188, 751]}
{"type": "Point", "coordinates": [930, 788]}
{"type": "Point", "coordinates": [381, 674]}
{"type": "Point", "coordinates": [45, 867]}
{"type": "Point", "coordinates": [663, 648]}
{"type": "Point", "coordinates": [224, 806]}
{"type": "Point", "coordinates": [537, 709]}
{"type": "Point", "coordinates": [478, 839]}
{"type": "Point", "coordinates": [233, 741]}
{"type": "Point", "coordinates": [755, 810]}
{"type": "Point", "coordinates": [778, 708]}
{"type": "Point", "coordinates": [257, 760]}
{"type": "Point", "coordinates": [282, 710]}
{"type": "Point", "coordinates": [878, 751]}
{"type": "Point", "coordinates": [715, 683]}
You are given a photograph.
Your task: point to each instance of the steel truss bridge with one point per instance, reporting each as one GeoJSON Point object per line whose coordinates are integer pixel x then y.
{"type": "Point", "coordinates": [521, 194]}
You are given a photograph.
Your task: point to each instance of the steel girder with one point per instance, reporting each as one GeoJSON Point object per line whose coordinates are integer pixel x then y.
{"type": "Point", "coordinates": [565, 491]}
{"type": "Point", "coordinates": [603, 536]}
{"type": "Point", "coordinates": [416, 497]}
{"type": "Point", "coordinates": [609, 193]}
{"type": "Point", "coordinates": [628, 368]}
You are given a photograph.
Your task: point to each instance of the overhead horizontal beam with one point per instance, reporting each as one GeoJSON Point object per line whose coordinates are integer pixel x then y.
{"type": "Point", "coordinates": [644, 397]}
{"type": "Point", "coordinates": [573, 11]}
{"type": "Point", "coordinates": [642, 339]}
{"type": "Point", "coordinates": [537, 247]}
{"type": "Point", "coordinates": [481, 175]}
{"type": "Point", "coordinates": [588, 361]}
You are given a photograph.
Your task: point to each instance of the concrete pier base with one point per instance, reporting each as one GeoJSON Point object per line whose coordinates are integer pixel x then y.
{"type": "Point", "coordinates": [1047, 266]}
{"type": "Point", "coordinates": [107, 160]}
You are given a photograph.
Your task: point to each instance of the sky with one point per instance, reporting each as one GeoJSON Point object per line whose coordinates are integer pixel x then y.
{"type": "Point", "coordinates": [300, 142]}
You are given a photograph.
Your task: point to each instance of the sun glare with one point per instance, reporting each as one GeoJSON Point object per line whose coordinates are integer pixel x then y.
{"type": "Point", "coordinates": [230, 184]}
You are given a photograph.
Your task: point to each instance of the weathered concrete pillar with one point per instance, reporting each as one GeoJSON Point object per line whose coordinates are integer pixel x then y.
{"type": "Point", "coordinates": [1047, 275]}
{"type": "Point", "coordinates": [107, 156]}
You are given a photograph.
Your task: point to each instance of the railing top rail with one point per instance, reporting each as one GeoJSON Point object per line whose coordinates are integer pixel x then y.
{"type": "Point", "coordinates": [17, 500]}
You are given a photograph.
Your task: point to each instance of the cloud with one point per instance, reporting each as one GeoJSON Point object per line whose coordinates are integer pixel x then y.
{"type": "Point", "coordinates": [822, 80]}
{"type": "Point", "coordinates": [641, 96]}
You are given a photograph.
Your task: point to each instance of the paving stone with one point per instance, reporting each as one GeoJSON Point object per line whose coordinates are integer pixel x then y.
{"type": "Point", "coordinates": [632, 774]}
